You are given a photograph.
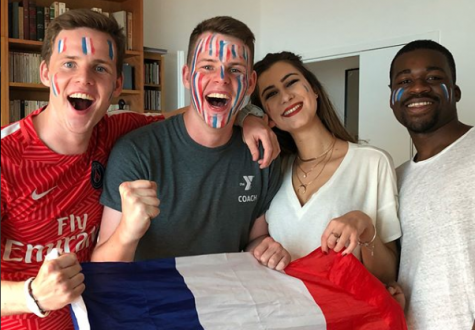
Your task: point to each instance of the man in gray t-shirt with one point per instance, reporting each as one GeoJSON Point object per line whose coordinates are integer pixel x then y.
{"type": "Point", "coordinates": [213, 197]}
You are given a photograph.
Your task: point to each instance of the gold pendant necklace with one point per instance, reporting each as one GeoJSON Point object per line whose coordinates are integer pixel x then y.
{"type": "Point", "coordinates": [302, 188]}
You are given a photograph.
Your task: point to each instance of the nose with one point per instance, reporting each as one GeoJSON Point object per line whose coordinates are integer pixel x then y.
{"type": "Point", "coordinates": [419, 86]}
{"type": "Point", "coordinates": [222, 76]}
{"type": "Point", "coordinates": [84, 76]}
{"type": "Point", "coordinates": [286, 96]}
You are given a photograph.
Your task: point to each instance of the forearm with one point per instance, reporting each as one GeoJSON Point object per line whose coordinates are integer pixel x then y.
{"type": "Point", "coordinates": [381, 260]}
{"type": "Point", "coordinates": [13, 298]}
{"type": "Point", "coordinates": [255, 242]}
{"type": "Point", "coordinates": [116, 248]}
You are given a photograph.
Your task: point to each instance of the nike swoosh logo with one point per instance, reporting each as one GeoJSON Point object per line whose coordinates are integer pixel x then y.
{"type": "Point", "coordinates": [36, 196]}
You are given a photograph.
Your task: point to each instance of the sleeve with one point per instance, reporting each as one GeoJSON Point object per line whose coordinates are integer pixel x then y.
{"type": "Point", "coordinates": [3, 196]}
{"type": "Point", "coordinates": [124, 165]}
{"type": "Point", "coordinates": [387, 221]}
{"type": "Point", "coordinates": [121, 122]}
{"type": "Point", "coordinates": [274, 183]}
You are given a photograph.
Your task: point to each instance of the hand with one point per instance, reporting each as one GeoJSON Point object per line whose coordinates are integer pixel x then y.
{"type": "Point", "coordinates": [349, 228]}
{"type": "Point", "coordinates": [139, 205]}
{"type": "Point", "coordinates": [58, 283]}
{"type": "Point", "coordinates": [271, 254]}
{"type": "Point", "coordinates": [395, 290]}
{"type": "Point", "coordinates": [257, 129]}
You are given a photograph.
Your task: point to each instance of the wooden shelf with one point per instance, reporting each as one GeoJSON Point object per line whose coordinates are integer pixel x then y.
{"type": "Point", "coordinates": [28, 86]}
{"type": "Point", "coordinates": [130, 92]}
{"type": "Point", "coordinates": [152, 85]}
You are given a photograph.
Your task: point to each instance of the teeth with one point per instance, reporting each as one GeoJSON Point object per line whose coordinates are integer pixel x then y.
{"type": "Point", "coordinates": [82, 96]}
{"type": "Point", "coordinates": [218, 96]}
{"type": "Point", "coordinates": [288, 112]}
{"type": "Point", "coordinates": [418, 104]}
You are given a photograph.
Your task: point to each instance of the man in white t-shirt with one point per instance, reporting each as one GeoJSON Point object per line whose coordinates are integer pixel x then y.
{"type": "Point", "coordinates": [436, 190]}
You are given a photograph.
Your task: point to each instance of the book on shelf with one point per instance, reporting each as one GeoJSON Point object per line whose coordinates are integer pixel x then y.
{"type": "Point", "coordinates": [128, 71]}
{"type": "Point", "coordinates": [26, 20]}
{"type": "Point", "coordinates": [40, 23]}
{"type": "Point", "coordinates": [32, 15]}
{"type": "Point", "coordinates": [14, 22]}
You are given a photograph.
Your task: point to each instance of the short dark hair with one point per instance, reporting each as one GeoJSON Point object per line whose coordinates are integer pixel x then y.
{"type": "Point", "coordinates": [222, 25]}
{"type": "Point", "coordinates": [326, 111]}
{"type": "Point", "coordinates": [85, 18]}
{"type": "Point", "coordinates": [426, 44]}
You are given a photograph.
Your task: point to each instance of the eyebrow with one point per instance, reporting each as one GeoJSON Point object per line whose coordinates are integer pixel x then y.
{"type": "Point", "coordinates": [97, 60]}
{"type": "Point", "coordinates": [428, 69]}
{"type": "Point", "coordinates": [213, 60]}
{"type": "Point", "coordinates": [281, 80]}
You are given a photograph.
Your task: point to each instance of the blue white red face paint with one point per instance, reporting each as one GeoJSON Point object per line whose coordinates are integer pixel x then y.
{"type": "Point", "coordinates": [54, 84]}
{"type": "Point", "coordinates": [87, 46]}
{"type": "Point", "coordinates": [446, 91]}
{"type": "Point", "coordinates": [396, 95]}
{"type": "Point", "coordinates": [111, 49]}
{"type": "Point", "coordinates": [219, 69]}
{"type": "Point", "coordinates": [61, 45]}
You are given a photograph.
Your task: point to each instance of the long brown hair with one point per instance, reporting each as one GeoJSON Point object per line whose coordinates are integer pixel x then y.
{"type": "Point", "coordinates": [326, 111]}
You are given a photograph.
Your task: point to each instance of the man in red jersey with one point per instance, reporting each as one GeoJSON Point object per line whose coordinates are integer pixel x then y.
{"type": "Point", "coordinates": [52, 166]}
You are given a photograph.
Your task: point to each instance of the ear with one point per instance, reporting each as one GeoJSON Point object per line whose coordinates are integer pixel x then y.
{"type": "Point", "coordinates": [252, 82]}
{"type": "Point", "coordinates": [118, 85]}
{"type": "Point", "coordinates": [185, 75]}
{"type": "Point", "coordinates": [457, 93]}
{"type": "Point", "coordinates": [44, 74]}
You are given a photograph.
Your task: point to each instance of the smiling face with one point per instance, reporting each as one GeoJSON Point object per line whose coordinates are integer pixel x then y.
{"type": "Point", "coordinates": [423, 95]}
{"type": "Point", "coordinates": [287, 96]}
{"type": "Point", "coordinates": [82, 77]}
{"type": "Point", "coordinates": [219, 78]}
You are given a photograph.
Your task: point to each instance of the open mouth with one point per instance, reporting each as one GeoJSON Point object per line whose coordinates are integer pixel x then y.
{"type": "Point", "coordinates": [288, 112]}
{"type": "Point", "coordinates": [217, 100]}
{"type": "Point", "coordinates": [418, 104]}
{"type": "Point", "coordinates": [80, 101]}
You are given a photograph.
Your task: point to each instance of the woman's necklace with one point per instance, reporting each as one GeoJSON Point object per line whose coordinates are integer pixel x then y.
{"type": "Point", "coordinates": [323, 154]}
{"type": "Point", "coordinates": [302, 189]}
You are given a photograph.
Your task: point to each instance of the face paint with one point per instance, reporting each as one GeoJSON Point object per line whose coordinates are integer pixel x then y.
{"type": "Point", "coordinates": [54, 84]}
{"type": "Point", "coordinates": [446, 91]}
{"type": "Point", "coordinates": [111, 49]}
{"type": "Point", "coordinates": [397, 94]}
{"type": "Point", "coordinates": [61, 45]}
{"type": "Point", "coordinates": [87, 46]}
{"type": "Point", "coordinates": [220, 51]}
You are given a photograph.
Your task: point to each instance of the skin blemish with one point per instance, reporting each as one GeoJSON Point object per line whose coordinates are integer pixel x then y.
{"type": "Point", "coordinates": [111, 49]}
{"type": "Point", "coordinates": [87, 46]}
{"type": "Point", "coordinates": [61, 45]}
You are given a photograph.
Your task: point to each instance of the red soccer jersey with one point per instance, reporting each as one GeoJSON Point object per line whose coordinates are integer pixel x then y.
{"type": "Point", "coordinates": [50, 200]}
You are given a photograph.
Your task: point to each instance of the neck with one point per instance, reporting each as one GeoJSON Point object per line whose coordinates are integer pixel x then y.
{"type": "Point", "coordinates": [58, 139]}
{"type": "Point", "coordinates": [431, 143]}
{"type": "Point", "coordinates": [312, 140]}
{"type": "Point", "coordinates": [204, 135]}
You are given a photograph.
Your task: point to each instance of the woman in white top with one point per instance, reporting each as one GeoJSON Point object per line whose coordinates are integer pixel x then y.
{"type": "Point", "coordinates": [335, 193]}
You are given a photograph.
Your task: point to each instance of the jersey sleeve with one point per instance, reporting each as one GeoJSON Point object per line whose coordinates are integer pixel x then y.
{"type": "Point", "coordinates": [3, 196]}
{"type": "Point", "coordinates": [275, 181]}
{"type": "Point", "coordinates": [121, 122]}
{"type": "Point", "coordinates": [387, 222]}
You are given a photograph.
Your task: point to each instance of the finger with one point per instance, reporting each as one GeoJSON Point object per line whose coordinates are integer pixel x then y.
{"type": "Point", "coordinates": [268, 152]}
{"type": "Point", "coordinates": [324, 239]}
{"type": "Point", "coordinates": [254, 149]}
{"type": "Point", "coordinates": [70, 272]}
{"type": "Point", "coordinates": [64, 261]}
{"type": "Point", "coordinates": [341, 242]}
{"type": "Point", "coordinates": [144, 192]}
{"type": "Point", "coordinates": [351, 247]}
{"type": "Point", "coordinates": [283, 262]}
{"type": "Point", "coordinates": [147, 184]}
{"type": "Point", "coordinates": [259, 250]}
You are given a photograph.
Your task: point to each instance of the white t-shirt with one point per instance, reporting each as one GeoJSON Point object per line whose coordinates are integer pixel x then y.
{"type": "Point", "coordinates": [437, 212]}
{"type": "Point", "coordinates": [365, 181]}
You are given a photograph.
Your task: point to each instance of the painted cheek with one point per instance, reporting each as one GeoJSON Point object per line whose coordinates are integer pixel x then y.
{"type": "Point", "coordinates": [87, 46]}
{"type": "Point", "coordinates": [197, 92]}
{"type": "Point", "coordinates": [54, 85]}
{"type": "Point", "coordinates": [446, 91]}
{"type": "Point", "coordinates": [397, 95]}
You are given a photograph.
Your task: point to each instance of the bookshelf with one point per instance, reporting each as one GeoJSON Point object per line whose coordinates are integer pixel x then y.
{"type": "Point", "coordinates": [154, 64]}
{"type": "Point", "coordinates": [30, 91]}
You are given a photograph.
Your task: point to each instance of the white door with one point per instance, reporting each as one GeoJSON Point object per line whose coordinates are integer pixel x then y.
{"type": "Point", "coordinates": [377, 123]}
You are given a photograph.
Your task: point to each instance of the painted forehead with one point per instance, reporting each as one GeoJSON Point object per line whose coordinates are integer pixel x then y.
{"type": "Point", "coordinates": [222, 47]}
{"type": "Point", "coordinates": [85, 43]}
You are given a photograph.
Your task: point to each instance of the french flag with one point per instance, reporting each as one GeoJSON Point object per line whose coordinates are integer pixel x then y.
{"type": "Point", "coordinates": [233, 291]}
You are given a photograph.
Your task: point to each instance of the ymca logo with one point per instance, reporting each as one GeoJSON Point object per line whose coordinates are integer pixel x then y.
{"type": "Point", "coordinates": [248, 179]}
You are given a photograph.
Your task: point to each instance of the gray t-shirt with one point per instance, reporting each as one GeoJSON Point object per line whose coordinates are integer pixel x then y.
{"type": "Point", "coordinates": [209, 197]}
{"type": "Point", "coordinates": [437, 213]}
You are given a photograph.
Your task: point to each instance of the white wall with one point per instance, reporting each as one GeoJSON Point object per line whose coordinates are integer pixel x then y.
{"type": "Point", "coordinates": [316, 27]}
{"type": "Point", "coordinates": [168, 24]}
{"type": "Point", "coordinates": [313, 27]}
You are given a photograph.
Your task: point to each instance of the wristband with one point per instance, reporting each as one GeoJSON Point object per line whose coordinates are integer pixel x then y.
{"type": "Point", "coordinates": [31, 302]}
{"type": "Point", "coordinates": [369, 245]}
{"type": "Point", "coordinates": [249, 109]}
